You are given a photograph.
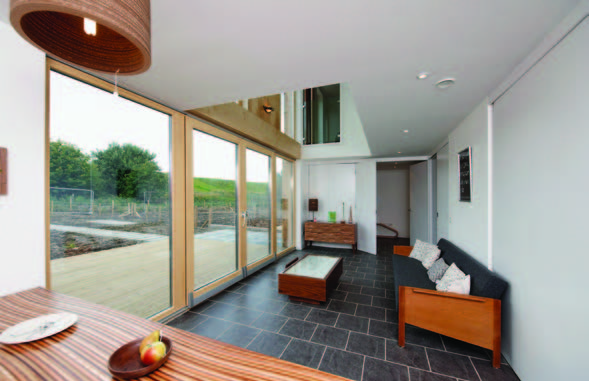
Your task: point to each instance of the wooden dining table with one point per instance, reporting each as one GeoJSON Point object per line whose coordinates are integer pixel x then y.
{"type": "Point", "coordinates": [81, 352]}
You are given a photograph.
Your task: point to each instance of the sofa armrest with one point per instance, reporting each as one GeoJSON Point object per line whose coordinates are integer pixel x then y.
{"type": "Point", "coordinates": [469, 318]}
{"type": "Point", "coordinates": [402, 250]}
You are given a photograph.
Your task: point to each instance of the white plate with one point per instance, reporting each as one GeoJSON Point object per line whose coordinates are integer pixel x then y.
{"type": "Point", "coordinates": [37, 328]}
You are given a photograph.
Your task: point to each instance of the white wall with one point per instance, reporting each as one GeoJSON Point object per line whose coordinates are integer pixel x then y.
{"type": "Point", "coordinates": [393, 199]}
{"type": "Point", "coordinates": [351, 182]}
{"type": "Point", "coordinates": [468, 220]}
{"type": "Point", "coordinates": [443, 194]}
{"type": "Point", "coordinates": [540, 205]}
{"type": "Point", "coordinates": [419, 203]}
{"type": "Point", "coordinates": [22, 131]}
{"type": "Point", "coordinates": [366, 205]}
{"type": "Point", "coordinates": [353, 141]}
{"type": "Point", "coordinates": [332, 185]}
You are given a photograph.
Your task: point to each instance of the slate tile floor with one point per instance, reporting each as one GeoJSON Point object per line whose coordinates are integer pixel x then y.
{"type": "Point", "coordinates": [353, 334]}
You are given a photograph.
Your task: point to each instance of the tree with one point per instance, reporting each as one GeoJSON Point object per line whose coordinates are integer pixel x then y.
{"type": "Point", "coordinates": [69, 167]}
{"type": "Point", "coordinates": [127, 171]}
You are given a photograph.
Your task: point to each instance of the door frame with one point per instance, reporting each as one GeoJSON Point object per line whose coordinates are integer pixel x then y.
{"type": "Point", "coordinates": [243, 205]}
{"type": "Point", "coordinates": [292, 246]}
{"type": "Point", "coordinates": [193, 296]}
{"type": "Point", "coordinates": [177, 169]}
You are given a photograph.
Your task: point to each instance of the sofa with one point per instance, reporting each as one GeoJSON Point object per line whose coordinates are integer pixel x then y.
{"type": "Point", "coordinates": [474, 318]}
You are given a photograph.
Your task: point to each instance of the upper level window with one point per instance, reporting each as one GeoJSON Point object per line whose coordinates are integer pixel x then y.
{"type": "Point", "coordinates": [321, 115]}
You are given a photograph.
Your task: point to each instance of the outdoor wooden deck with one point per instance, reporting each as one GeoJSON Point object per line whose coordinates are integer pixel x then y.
{"type": "Point", "coordinates": [136, 279]}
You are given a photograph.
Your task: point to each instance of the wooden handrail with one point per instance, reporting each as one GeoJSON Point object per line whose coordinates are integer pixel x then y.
{"type": "Point", "coordinates": [389, 228]}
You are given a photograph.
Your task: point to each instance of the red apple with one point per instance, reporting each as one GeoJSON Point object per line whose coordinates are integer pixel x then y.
{"type": "Point", "coordinates": [153, 353]}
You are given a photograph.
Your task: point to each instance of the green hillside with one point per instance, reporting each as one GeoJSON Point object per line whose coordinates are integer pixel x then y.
{"type": "Point", "coordinates": [218, 192]}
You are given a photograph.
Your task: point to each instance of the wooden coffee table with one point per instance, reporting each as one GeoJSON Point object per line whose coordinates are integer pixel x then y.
{"type": "Point", "coordinates": [308, 279]}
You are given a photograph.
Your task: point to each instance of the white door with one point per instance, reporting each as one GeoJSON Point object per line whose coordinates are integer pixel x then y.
{"type": "Point", "coordinates": [418, 202]}
{"type": "Point", "coordinates": [442, 191]}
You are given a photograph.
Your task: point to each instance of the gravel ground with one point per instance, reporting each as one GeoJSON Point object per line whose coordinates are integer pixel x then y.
{"type": "Point", "coordinates": [64, 245]}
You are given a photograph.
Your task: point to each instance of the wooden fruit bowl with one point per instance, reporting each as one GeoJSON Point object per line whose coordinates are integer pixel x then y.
{"type": "Point", "coordinates": [126, 363]}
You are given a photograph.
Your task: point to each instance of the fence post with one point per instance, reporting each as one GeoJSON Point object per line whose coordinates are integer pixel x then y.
{"type": "Point", "coordinates": [99, 210]}
{"type": "Point", "coordinates": [196, 216]}
{"type": "Point", "coordinates": [71, 201]}
{"type": "Point", "coordinates": [210, 217]}
{"type": "Point", "coordinates": [113, 208]}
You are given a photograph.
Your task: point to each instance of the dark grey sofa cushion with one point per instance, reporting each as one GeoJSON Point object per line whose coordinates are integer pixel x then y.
{"type": "Point", "coordinates": [411, 273]}
{"type": "Point", "coordinates": [483, 282]}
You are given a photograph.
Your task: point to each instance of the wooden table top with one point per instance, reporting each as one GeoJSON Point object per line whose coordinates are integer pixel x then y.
{"type": "Point", "coordinates": [82, 351]}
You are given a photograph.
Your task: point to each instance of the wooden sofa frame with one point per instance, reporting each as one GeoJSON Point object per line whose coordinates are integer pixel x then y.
{"type": "Point", "coordinates": [469, 318]}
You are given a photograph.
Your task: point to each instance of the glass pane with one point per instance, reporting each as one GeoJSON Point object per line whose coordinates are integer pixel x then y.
{"type": "Point", "coordinates": [313, 266]}
{"type": "Point", "coordinates": [322, 115]}
{"type": "Point", "coordinates": [258, 205]}
{"type": "Point", "coordinates": [284, 204]}
{"type": "Point", "coordinates": [109, 199]}
{"type": "Point", "coordinates": [215, 208]}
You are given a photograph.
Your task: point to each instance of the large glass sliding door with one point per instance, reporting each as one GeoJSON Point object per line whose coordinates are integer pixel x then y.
{"type": "Point", "coordinates": [229, 207]}
{"type": "Point", "coordinates": [284, 205]}
{"type": "Point", "coordinates": [150, 210]}
{"type": "Point", "coordinates": [215, 208]}
{"type": "Point", "coordinates": [259, 205]}
{"type": "Point", "coordinates": [109, 199]}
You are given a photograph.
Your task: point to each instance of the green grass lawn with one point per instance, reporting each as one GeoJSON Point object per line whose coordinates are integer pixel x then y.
{"type": "Point", "coordinates": [217, 192]}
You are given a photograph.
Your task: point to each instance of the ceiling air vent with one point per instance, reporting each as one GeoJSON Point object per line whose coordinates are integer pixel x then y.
{"type": "Point", "coordinates": [445, 83]}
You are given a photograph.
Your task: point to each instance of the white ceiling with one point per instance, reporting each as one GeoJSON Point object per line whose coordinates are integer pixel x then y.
{"type": "Point", "coordinates": [217, 51]}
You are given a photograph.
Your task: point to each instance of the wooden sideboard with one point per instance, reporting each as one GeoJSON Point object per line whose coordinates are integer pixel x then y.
{"type": "Point", "coordinates": [331, 232]}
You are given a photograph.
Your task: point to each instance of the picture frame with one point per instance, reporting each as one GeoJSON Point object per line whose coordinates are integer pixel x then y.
{"type": "Point", "coordinates": [465, 175]}
{"type": "Point", "coordinates": [331, 217]}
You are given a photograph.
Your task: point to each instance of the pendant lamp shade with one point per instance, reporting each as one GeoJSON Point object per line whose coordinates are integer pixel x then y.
{"type": "Point", "coordinates": [101, 35]}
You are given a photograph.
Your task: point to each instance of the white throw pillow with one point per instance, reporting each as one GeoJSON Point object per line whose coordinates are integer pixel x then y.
{"type": "Point", "coordinates": [420, 250]}
{"type": "Point", "coordinates": [425, 252]}
{"type": "Point", "coordinates": [461, 286]}
{"type": "Point", "coordinates": [431, 257]}
{"type": "Point", "coordinates": [451, 275]}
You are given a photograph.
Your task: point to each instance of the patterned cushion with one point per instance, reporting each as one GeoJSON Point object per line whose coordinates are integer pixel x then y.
{"type": "Point", "coordinates": [461, 286]}
{"type": "Point", "coordinates": [436, 272]}
{"type": "Point", "coordinates": [420, 250]}
{"type": "Point", "coordinates": [430, 257]}
{"type": "Point", "coordinates": [425, 252]}
{"type": "Point", "coordinates": [452, 274]}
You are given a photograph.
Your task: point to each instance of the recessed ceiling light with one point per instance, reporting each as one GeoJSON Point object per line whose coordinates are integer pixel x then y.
{"type": "Point", "coordinates": [423, 75]}
{"type": "Point", "coordinates": [406, 131]}
{"type": "Point", "coordinates": [399, 152]}
{"type": "Point", "coordinates": [445, 83]}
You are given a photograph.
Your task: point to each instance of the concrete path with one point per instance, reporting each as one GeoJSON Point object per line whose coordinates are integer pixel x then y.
{"type": "Point", "coordinates": [108, 233]}
{"type": "Point", "coordinates": [254, 237]}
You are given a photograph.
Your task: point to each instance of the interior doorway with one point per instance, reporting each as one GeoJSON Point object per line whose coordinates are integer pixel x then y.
{"type": "Point", "coordinates": [392, 194]}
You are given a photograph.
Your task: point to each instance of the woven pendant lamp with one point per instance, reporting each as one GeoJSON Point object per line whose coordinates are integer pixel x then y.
{"type": "Point", "coordinates": [101, 35]}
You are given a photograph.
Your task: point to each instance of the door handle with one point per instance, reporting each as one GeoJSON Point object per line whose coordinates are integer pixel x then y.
{"type": "Point", "coordinates": [244, 218]}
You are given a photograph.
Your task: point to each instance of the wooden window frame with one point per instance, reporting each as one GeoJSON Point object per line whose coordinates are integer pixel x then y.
{"type": "Point", "coordinates": [177, 165]}
{"type": "Point", "coordinates": [182, 191]}
{"type": "Point", "coordinates": [292, 247]}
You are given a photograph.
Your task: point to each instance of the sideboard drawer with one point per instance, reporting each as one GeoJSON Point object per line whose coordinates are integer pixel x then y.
{"type": "Point", "coordinates": [331, 232]}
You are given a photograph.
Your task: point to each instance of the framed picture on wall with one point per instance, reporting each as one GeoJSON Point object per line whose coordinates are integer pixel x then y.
{"type": "Point", "coordinates": [465, 174]}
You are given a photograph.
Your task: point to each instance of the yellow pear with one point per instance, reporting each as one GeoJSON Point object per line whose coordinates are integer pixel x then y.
{"type": "Point", "coordinates": [149, 339]}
